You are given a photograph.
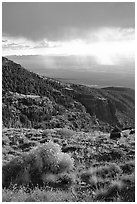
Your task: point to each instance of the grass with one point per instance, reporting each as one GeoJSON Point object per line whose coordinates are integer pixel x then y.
{"type": "Point", "coordinates": [122, 190]}
{"type": "Point", "coordinates": [37, 195]}
{"type": "Point", "coordinates": [101, 170]}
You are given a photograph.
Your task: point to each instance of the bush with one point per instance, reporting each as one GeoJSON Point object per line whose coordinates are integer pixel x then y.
{"type": "Point", "coordinates": [54, 160]}
{"type": "Point", "coordinates": [66, 163]}
{"type": "Point", "coordinates": [29, 168]}
{"type": "Point", "coordinates": [111, 193]}
{"type": "Point", "coordinates": [128, 179]}
{"type": "Point", "coordinates": [88, 178]}
{"type": "Point", "coordinates": [108, 171]}
{"type": "Point", "coordinates": [128, 191]}
{"type": "Point", "coordinates": [65, 132]}
{"type": "Point", "coordinates": [85, 176]}
{"type": "Point", "coordinates": [128, 167]}
{"type": "Point", "coordinates": [121, 190]}
{"type": "Point", "coordinates": [111, 170]}
{"type": "Point", "coordinates": [115, 133]}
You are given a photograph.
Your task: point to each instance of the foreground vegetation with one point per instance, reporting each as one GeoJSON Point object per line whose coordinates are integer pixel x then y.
{"type": "Point", "coordinates": [93, 167]}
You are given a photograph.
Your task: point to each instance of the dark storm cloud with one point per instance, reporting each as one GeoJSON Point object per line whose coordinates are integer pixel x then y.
{"type": "Point", "coordinates": [53, 20]}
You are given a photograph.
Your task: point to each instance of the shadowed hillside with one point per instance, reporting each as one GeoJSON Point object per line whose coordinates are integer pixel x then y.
{"type": "Point", "coordinates": [30, 100]}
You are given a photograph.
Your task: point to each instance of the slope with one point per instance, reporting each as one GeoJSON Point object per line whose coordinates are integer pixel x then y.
{"type": "Point", "coordinates": [30, 100]}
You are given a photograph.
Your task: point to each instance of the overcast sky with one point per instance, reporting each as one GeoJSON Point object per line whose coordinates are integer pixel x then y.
{"type": "Point", "coordinates": [104, 31]}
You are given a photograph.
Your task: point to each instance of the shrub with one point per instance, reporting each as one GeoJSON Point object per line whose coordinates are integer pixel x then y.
{"type": "Point", "coordinates": [48, 132]}
{"type": "Point", "coordinates": [128, 179]}
{"type": "Point", "coordinates": [128, 167]}
{"type": "Point", "coordinates": [111, 193]}
{"type": "Point", "coordinates": [54, 160]}
{"type": "Point", "coordinates": [65, 132]}
{"type": "Point", "coordinates": [66, 163]}
{"type": "Point", "coordinates": [128, 191]}
{"type": "Point", "coordinates": [108, 171]}
{"type": "Point", "coordinates": [85, 176]}
{"type": "Point", "coordinates": [115, 133]}
{"type": "Point", "coordinates": [29, 168]}
{"type": "Point", "coordinates": [120, 190]}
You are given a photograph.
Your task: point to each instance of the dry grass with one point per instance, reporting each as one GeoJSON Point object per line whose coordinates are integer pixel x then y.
{"type": "Point", "coordinates": [101, 170]}
{"type": "Point", "coordinates": [36, 195]}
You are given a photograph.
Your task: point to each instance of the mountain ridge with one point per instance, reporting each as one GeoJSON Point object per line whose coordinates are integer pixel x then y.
{"type": "Point", "coordinates": [64, 104]}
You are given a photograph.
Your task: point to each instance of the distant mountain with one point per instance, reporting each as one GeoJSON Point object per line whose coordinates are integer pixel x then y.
{"type": "Point", "coordinates": [30, 100]}
{"type": "Point", "coordinates": [79, 70]}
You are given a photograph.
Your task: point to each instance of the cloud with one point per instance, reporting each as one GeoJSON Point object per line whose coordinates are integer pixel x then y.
{"type": "Point", "coordinates": [112, 34]}
{"type": "Point", "coordinates": [107, 46]}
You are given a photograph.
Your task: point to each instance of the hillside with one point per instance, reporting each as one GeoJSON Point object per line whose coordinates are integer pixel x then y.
{"type": "Point", "coordinates": [30, 100]}
{"type": "Point", "coordinates": [56, 144]}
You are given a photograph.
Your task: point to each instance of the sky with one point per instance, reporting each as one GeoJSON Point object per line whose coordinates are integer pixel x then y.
{"type": "Point", "coordinates": [104, 32]}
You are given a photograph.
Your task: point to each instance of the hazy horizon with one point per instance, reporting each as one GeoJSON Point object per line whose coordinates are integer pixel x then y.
{"type": "Point", "coordinates": [88, 42]}
{"type": "Point", "coordinates": [63, 68]}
